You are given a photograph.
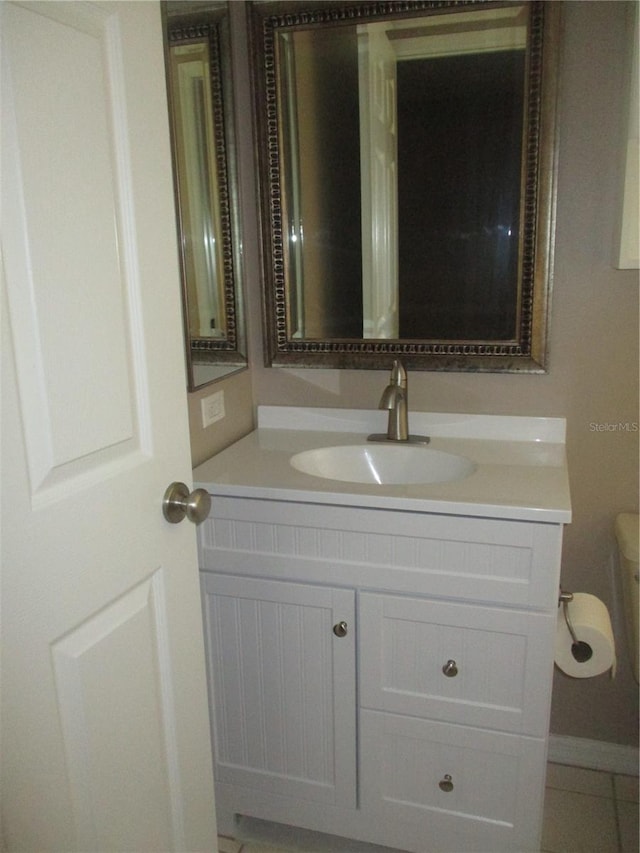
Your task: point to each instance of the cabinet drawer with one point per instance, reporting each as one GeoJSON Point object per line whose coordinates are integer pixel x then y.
{"type": "Point", "coordinates": [461, 663]}
{"type": "Point", "coordinates": [445, 782]}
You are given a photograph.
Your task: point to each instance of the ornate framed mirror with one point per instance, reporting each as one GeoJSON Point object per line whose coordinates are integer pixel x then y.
{"type": "Point", "coordinates": [202, 124]}
{"type": "Point", "coordinates": [406, 155]}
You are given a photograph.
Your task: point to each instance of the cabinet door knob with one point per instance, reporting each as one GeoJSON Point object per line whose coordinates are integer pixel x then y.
{"type": "Point", "coordinates": [450, 669]}
{"type": "Point", "coordinates": [340, 629]}
{"type": "Point", "coordinates": [446, 784]}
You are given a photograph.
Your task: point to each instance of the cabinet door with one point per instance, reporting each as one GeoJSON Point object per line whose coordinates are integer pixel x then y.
{"type": "Point", "coordinates": [283, 687]}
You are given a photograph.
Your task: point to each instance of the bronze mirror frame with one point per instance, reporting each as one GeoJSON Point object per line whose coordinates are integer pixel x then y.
{"type": "Point", "coordinates": [528, 351]}
{"type": "Point", "coordinates": [187, 23]}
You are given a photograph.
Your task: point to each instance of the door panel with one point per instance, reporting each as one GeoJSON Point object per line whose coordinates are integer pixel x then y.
{"type": "Point", "coordinates": [73, 298]}
{"type": "Point", "coordinates": [109, 769]}
{"type": "Point", "coordinates": [105, 722]}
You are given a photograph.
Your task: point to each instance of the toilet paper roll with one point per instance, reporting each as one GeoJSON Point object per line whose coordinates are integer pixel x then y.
{"type": "Point", "coordinates": [592, 625]}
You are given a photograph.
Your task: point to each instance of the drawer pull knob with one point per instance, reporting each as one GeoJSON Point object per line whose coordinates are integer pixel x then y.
{"type": "Point", "coordinates": [446, 784]}
{"type": "Point", "coordinates": [340, 629]}
{"type": "Point", "coordinates": [450, 669]}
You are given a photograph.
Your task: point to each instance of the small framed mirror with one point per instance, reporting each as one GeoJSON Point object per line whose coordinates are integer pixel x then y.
{"type": "Point", "coordinates": [202, 124]}
{"type": "Point", "coordinates": [407, 164]}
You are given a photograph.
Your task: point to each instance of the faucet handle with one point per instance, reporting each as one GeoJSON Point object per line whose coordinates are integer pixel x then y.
{"type": "Point", "coordinates": [398, 374]}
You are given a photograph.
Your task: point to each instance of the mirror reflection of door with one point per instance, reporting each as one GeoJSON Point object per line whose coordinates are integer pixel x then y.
{"type": "Point", "coordinates": [379, 189]}
{"type": "Point", "coordinates": [199, 191]}
{"type": "Point", "coordinates": [321, 180]}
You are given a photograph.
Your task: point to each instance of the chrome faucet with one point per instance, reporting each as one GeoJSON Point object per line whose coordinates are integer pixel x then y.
{"type": "Point", "coordinates": [395, 399]}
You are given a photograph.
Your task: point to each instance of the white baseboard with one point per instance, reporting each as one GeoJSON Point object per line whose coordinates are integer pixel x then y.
{"type": "Point", "coordinates": [594, 754]}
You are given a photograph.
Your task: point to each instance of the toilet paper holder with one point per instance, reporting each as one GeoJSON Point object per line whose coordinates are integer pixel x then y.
{"type": "Point", "coordinates": [580, 650]}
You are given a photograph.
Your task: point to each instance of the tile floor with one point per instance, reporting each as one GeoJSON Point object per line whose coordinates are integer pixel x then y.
{"type": "Point", "coordinates": [586, 811]}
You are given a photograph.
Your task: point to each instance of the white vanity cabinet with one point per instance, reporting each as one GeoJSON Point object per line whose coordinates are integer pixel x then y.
{"type": "Point", "coordinates": [380, 674]}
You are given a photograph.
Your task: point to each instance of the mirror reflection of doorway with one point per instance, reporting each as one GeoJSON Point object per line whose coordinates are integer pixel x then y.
{"type": "Point", "coordinates": [458, 246]}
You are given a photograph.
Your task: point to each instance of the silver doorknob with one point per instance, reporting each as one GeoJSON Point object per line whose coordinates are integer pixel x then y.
{"type": "Point", "coordinates": [178, 502]}
{"type": "Point", "coordinates": [340, 629]}
{"type": "Point", "coordinates": [450, 669]}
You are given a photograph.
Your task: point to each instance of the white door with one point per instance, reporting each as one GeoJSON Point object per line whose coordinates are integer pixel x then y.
{"type": "Point", "coordinates": [379, 186]}
{"type": "Point", "coordinates": [105, 742]}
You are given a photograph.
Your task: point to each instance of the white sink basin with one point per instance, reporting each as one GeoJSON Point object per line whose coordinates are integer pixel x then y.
{"type": "Point", "coordinates": [390, 464]}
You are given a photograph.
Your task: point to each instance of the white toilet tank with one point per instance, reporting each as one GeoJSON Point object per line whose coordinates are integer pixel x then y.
{"type": "Point", "coordinates": [627, 536]}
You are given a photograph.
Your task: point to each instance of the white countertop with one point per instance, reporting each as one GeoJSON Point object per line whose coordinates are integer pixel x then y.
{"type": "Point", "coordinates": [521, 469]}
